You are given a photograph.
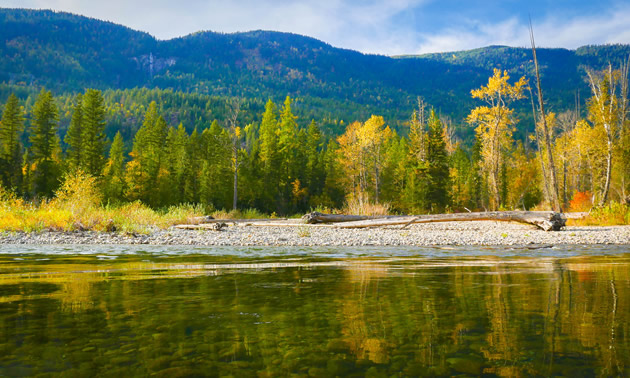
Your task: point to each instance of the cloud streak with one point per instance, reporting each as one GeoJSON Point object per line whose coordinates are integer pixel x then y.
{"type": "Point", "coordinates": [612, 26]}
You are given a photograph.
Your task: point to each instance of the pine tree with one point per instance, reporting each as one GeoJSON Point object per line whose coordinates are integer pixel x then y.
{"type": "Point", "coordinates": [11, 128]}
{"type": "Point", "coordinates": [291, 158]}
{"type": "Point", "coordinates": [194, 151]}
{"type": "Point", "coordinates": [314, 168]}
{"type": "Point", "coordinates": [437, 157]}
{"type": "Point", "coordinates": [269, 158]}
{"type": "Point", "coordinates": [114, 175]}
{"type": "Point", "coordinates": [93, 133]}
{"type": "Point", "coordinates": [417, 182]}
{"type": "Point", "coordinates": [177, 163]}
{"type": "Point", "coordinates": [45, 145]}
{"type": "Point", "coordinates": [144, 173]}
{"type": "Point", "coordinates": [333, 193]}
{"type": "Point", "coordinates": [216, 188]}
{"type": "Point", "coordinates": [73, 136]}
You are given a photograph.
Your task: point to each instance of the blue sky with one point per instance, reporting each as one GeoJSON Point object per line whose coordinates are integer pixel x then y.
{"type": "Point", "coordinates": [384, 27]}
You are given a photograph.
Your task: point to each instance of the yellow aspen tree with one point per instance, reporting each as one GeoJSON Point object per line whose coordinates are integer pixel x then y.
{"type": "Point", "coordinates": [363, 154]}
{"type": "Point", "coordinates": [372, 138]}
{"type": "Point", "coordinates": [351, 159]}
{"type": "Point", "coordinates": [494, 125]}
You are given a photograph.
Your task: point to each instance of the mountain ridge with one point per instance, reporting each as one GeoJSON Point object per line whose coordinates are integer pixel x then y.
{"type": "Point", "coordinates": [67, 53]}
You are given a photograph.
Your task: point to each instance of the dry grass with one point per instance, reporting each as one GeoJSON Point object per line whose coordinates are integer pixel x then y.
{"type": "Point", "coordinates": [612, 214]}
{"type": "Point", "coordinates": [239, 214]}
{"type": "Point", "coordinates": [77, 206]}
{"type": "Point", "coordinates": [362, 206]}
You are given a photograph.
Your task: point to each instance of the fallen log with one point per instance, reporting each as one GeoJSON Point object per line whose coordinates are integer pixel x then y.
{"type": "Point", "coordinates": [545, 220]}
{"type": "Point", "coordinates": [202, 219]}
{"type": "Point", "coordinates": [212, 224]}
{"type": "Point", "coordinates": [211, 220]}
{"type": "Point", "coordinates": [317, 217]}
{"type": "Point", "coordinates": [579, 215]}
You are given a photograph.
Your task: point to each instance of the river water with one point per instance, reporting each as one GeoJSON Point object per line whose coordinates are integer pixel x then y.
{"type": "Point", "coordinates": [191, 311]}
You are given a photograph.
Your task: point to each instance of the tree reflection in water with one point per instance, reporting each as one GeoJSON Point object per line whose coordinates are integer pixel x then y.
{"type": "Point", "coordinates": [409, 316]}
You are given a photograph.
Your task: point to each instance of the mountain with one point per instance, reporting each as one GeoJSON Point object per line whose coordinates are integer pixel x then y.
{"type": "Point", "coordinates": [68, 53]}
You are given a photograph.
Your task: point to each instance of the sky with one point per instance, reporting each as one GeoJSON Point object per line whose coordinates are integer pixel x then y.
{"type": "Point", "coordinates": [388, 27]}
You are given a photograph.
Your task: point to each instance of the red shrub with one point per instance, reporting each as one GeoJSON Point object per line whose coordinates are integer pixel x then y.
{"type": "Point", "coordinates": [581, 201]}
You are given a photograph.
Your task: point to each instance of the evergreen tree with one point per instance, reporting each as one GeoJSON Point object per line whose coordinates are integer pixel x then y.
{"type": "Point", "coordinates": [114, 175]}
{"type": "Point", "coordinates": [73, 135]}
{"type": "Point", "coordinates": [417, 181]}
{"type": "Point", "coordinates": [144, 172]}
{"type": "Point", "coordinates": [194, 152]}
{"type": "Point", "coordinates": [44, 145]}
{"type": "Point", "coordinates": [11, 128]}
{"type": "Point", "coordinates": [333, 193]}
{"type": "Point", "coordinates": [291, 159]}
{"type": "Point", "coordinates": [216, 188]}
{"type": "Point", "coordinates": [395, 172]}
{"type": "Point", "coordinates": [461, 176]}
{"type": "Point", "coordinates": [477, 183]}
{"type": "Point", "coordinates": [269, 158]}
{"type": "Point", "coordinates": [93, 133]}
{"type": "Point", "coordinates": [177, 163]}
{"type": "Point", "coordinates": [314, 168]}
{"type": "Point", "coordinates": [437, 193]}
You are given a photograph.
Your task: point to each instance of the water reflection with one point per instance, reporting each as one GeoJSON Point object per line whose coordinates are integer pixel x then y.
{"type": "Point", "coordinates": [191, 315]}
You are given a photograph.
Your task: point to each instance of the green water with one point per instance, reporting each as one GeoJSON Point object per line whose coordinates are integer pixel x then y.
{"type": "Point", "coordinates": [176, 311]}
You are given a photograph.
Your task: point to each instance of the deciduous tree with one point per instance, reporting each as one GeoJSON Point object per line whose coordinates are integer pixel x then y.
{"type": "Point", "coordinates": [494, 125]}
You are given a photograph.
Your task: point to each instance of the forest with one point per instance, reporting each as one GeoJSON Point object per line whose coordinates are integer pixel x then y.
{"type": "Point", "coordinates": [267, 158]}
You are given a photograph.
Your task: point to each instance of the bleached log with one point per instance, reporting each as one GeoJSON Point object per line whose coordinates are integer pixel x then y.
{"type": "Point", "coordinates": [545, 220]}
{"type": "Point", "coordinates": [316, 217]}
{"type": "Point", "coordinates": [579, 215]}
{"type": "Point", "coordinates": [210, 225]}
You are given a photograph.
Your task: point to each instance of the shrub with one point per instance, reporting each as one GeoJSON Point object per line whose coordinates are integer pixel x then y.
{"type": "Point", "coordinates": [581, 201]}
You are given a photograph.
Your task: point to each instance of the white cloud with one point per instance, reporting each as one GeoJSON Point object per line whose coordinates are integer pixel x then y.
{"type": "Point", "coordinates": [372, 26]}
{"type": "Point", "coordinates": [610, 27]}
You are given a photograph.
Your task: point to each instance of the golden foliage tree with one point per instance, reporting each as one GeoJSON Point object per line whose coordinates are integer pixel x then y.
{"type": "Point", "coordinates": [363, 153]}
{"type": "Point", "coordinates": [494, 125]}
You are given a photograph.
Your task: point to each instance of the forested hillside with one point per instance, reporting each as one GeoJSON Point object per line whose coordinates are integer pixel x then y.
{"type": "Point", "coordinates": [284, 123]}
{"type": "Point", "coordinates": [68, 53]}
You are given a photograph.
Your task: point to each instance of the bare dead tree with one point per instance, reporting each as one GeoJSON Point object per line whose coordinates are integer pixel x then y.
{"type": "Point", "coordinates": [553, 183]}
{"type": "Point", "coordinates": [542, 161]}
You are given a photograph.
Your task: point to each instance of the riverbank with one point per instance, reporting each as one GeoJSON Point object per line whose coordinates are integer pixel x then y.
{"type": "Point", "coordinates": [447, 233]}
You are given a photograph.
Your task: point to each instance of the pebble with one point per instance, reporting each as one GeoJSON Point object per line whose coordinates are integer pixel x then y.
{"type": "Point", "coordinates": [428, 234]}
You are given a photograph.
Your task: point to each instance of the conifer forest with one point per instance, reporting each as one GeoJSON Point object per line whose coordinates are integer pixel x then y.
{"type": "Point", "coordinates": [269, 159]}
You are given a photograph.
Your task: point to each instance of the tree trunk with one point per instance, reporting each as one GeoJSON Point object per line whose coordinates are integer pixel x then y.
{"type": "Point", "coordinates": [602, 201]}
{"type": "Point", "coordinates": [316, 217]}
{"type": "Point", "coordinates": [553, 183]}
{"type": "Point", "coordinates": [545, 220]}
{"type": "Point", "coordinates": [235, 197]}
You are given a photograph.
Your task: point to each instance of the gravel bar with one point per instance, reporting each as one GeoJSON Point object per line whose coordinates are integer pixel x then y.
{"type": "Point", "coordinates": [486, 233]}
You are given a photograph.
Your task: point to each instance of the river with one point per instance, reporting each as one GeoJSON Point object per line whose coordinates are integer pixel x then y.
{"type": "Point", "coordinates": [193, 311]}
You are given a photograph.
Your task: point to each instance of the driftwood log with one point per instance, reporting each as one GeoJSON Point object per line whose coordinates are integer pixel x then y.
{"type": "Point", "coordinates": [316, 217]}
{"type": "Point", "coordinates": [546, 220]}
